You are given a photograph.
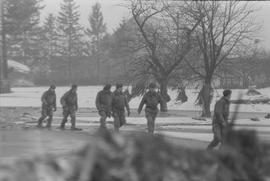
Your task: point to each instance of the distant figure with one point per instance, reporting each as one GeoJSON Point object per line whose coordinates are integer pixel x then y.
{"type": "Point", "coordinates": [220, 119]}
{"type": "Point", "coordinates": [69, 102]}
{"type": "Point", "coordinates": [48, 100]}
{"type": "Point", "coordinates": [151, 99]}
{"type": "Point", "coordinates": [119, 104]}
{"type": "Point", "coordinates": [128, 95]}
{"type": "Point", "coordinates": [182, 96]}
{"type": "Point", "coordinates": [104, 105]}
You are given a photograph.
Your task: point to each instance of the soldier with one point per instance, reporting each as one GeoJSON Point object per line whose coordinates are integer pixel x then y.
{"type": "Point", "coordinates": [48, 100]}
{"type": "Point", "coordinates": [119, 103]}
{"type": "Point", "coordinates": [220, 119]}
{"type": "Point", "coordinates": [69, 102]}
{"type": "Point", "coordinates": [104, 105]}
{"type": "Point", "coordinates": [151, 99]}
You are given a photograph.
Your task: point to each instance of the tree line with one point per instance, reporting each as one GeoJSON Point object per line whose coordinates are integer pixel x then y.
{"type": "Point", "coordinates": [34, 43]}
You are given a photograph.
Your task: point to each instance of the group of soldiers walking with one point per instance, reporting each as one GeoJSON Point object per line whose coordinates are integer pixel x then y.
{"type": "Point", "coordinates": [109, 104]}
{"type": "Point", "coordinates": [115, 104]}
{"type": "Point", "coordinates": [69, 102]}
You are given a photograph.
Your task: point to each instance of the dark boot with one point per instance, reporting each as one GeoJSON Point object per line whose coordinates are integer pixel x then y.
{"type": "Point", "coordinates": [73, 123]}
{"type": "Point", "coordinates": [62, 126]}
{"type": "Point", "coordinates": [40, 122]}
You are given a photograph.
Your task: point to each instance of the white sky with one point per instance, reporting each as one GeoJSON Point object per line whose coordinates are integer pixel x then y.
{"type": "Point", "coordinates": [113, 14]}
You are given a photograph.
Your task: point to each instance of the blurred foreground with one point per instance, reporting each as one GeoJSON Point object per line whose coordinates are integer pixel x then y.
{"type": "Point", "coordinates": [139, 157]}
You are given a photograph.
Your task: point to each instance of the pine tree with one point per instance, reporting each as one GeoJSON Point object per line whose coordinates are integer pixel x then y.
{"type": "Point", "coordinates": [21, 15]}
{"type": "Point", "coordinates": [50, 36]}
{"type": "Point", "coordinates": [19, 18]}
{"type": "Point", "coordinates": [70, 32]}
{"type": "Point", "coordinates": [96, 33]}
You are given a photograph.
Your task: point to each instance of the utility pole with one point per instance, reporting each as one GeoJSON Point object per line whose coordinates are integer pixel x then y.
{"type": "Point", "coordinates": [4, 83]}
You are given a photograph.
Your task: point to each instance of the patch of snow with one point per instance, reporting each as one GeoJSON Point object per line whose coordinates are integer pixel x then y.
{"type": "Point", "coordinates": [18, 66]}
{"type": "Point", "coordinates": [194, 136]}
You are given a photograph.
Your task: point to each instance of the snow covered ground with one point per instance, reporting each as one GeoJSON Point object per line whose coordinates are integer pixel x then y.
{"type": "Point", "coordinates": [179, 127]}
{"type": "Point", "coordinates": [30, 97]}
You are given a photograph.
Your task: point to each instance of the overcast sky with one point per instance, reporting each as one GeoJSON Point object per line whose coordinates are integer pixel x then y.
{"type": "Point", "coordinates": [113, 14]}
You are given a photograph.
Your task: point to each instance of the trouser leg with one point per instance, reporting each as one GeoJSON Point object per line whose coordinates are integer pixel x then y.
{"type": "Point", "coordinates": [213, 144]}
{"type": "Point", "coordinates": [40, 120]}
{"type": "Point", "coordinates": [122, 118]}
{"type": "Point", "coordinates": [43, 116]}
{"type": "Point", "coordinates": [217, 131]}
{"type": "Point", "coordinates": [49, 120]}
{"type": "Point", "coordinates": [102, 120]}
{"type": "Point", "coordinates": [150, 123]}
{"type": "Point", "coordinates": [65, 116]}
{"type": "Point", "coordinates": [73, 119]}
{"type": "Point", "coordinates": [116, 122]}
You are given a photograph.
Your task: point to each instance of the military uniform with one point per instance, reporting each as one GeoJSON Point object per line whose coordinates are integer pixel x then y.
{"type": "Point", "coordinates": [104, 106]}
{"type": "Point", "coordinates": [119, 103]}
{"type": "Point", "coordinates": [48, 100]}
{"type": "Point", "coordinates": [151, 100]}
{"type": "Point", "coordinates": [220, 121]}
{"type": "Point", "coordinates": [69, 102]}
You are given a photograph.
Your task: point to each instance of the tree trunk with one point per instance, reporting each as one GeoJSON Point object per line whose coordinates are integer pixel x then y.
{"type": "Point", "coordinates": [206, 98]}
{"type": "Point", "coordinates": [164, 94]}
{"type": "Point", "coordinates": [4, 82]}
{"type": "Point", "coordinates": [98, 71]}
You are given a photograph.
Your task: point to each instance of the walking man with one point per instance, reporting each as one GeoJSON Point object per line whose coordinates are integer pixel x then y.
{"type": "Point", "coordinates": [69, 102]}
{"type": "Point", "coordinates": [104, 105]}
{"type": "Point", "coordinates": [119, 104]}
{"type": "Point", "coordinates": [151, 99]}
{"type": "Point", "coordinates": [220, 119]}
{"type": "Point", "coordinates": [48, 100]}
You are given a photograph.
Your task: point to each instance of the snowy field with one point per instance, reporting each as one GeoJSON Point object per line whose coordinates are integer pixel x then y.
{"type": "Point", "coordinates": [30, 97]}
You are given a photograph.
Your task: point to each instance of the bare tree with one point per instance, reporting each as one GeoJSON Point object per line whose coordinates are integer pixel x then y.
{"type": "Point", "coordinates": [225, 26]}
{"type": "Point", "coordinates": [163, 40]}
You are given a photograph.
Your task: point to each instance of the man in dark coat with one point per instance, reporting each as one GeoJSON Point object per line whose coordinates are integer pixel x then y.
{"type": "Point", "coordinates": [48, 100]}
{"type": "Point", "coordinates": [104, 105]}
{"type": "Point", "coordinates": [151, 99]}
{"type": "Point", "coordinates": [220, 119]}
{"type": "Point", "coordinates": [119, 104]}
{"type": "Point", "coordinates": [69, 102]}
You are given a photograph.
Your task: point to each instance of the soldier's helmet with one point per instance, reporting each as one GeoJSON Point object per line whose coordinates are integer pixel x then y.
{"type": "Point", "coordinates": [119, 86]}
{"type": "Point", "coordinates": [152, 85]}
{"type": "Point", "coordinates": [227, 92]}
{"type": "Point", "coordinates": [107, 87]}
{"type": "Point", "coordinates": [52, 87]}
{"type": "Point", "coordinates": [74, 86]}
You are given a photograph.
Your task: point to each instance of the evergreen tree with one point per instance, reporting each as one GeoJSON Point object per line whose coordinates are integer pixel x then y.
{"type": "Point", "coordinates": [95, 33]}
{"type": "Point", "coordinates": [50, 36]}
{"type": "Point", "coordinates": [97, 28]}
{"type": "Point", "coordinates": [70, 32]}
{"type": "Point", "coordinates": [19, 18]}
